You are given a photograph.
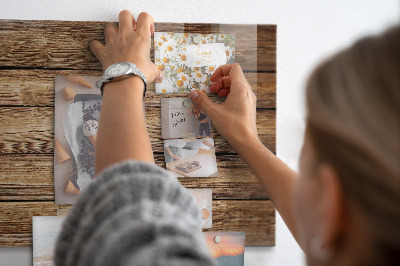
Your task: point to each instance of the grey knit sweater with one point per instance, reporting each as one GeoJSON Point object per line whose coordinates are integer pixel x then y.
{"type": "Point", "coordinates": [134, 213]}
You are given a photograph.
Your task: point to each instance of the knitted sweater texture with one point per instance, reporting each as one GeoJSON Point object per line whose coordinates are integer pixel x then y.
{"type": "Point", "coordinates": [134, 213]}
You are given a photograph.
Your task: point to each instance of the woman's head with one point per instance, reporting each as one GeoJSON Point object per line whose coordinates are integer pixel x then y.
{"type": "Point", "coordinates": [351, 156]}
{"type": "Point", "coordinates": [196, 110]}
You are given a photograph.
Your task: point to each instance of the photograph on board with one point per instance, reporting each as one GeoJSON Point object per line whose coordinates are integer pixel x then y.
{"type": "Point", "coordinates": [180, 118]}
{"type": "Point", "coordinates": [191, 157]}
{"type": "Point", "coordinates": [226, 247]}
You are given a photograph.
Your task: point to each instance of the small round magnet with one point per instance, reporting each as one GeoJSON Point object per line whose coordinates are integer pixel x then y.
{"type": "Point", "coordinates": [196, 39]}
{"type": "Point", "coordinates": [217, 239]}
{"type": "Point", "coordinates": [187, 102]}
{"type": "Point", "coordinates": [98, 83]}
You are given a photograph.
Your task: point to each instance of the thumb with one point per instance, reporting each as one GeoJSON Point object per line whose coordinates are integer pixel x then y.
{"type": "Point", "coordinates": [203, 101]}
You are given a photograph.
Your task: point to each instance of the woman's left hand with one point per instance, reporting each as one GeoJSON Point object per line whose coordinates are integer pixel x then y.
{"type": "Point", "coordinates": [130, 42]}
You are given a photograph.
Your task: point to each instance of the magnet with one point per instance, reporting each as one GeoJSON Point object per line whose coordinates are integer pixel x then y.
{"type": "Point", "coordinates": [217, 239]}
{"type": "Point", "coordinates": [98, 84]}
{"type": "Point", "coordinates": [187, 102]}
{"type": "Point", "coordinates": [196, 39]}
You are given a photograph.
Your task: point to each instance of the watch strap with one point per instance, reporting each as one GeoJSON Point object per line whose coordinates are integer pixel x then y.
{"type": "Point", "coordinates": [135, 71]}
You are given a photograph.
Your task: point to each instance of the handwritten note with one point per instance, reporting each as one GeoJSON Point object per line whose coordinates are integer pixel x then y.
{"type": "Point", "coordinates": [177, 118]}
{"type": "Point", "coordinates": [205, 55]}
{"type": "Point", "coordinates": [180, 121]}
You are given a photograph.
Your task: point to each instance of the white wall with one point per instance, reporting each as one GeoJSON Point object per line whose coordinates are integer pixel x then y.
{"type": "Point", "coordinates": [307, 32]}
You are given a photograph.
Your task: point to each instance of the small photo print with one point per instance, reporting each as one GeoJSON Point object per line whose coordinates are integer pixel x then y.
{"type": "Point", "coordinates": [204, 199]}
{"type": "Point", "coordinates": [45, 230]}
{"type": "Point", "coordinates": [188, 60]}
{"type": "Point", "coordinates": [77, 112]}
{"type": "Point", "coordinates": [191, 157]}
{"type": "Point", "coordinates": [181, 118]}
{"type": "Point", "coordinates": [226, 247]}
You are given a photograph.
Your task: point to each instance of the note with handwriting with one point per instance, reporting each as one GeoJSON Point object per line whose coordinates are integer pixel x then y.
{"type": "Point", "coordinates": [180, 118]}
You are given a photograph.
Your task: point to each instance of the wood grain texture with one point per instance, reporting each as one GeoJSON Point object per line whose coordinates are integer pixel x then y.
{"type": "Point", "coordinates": [256, 218]}
{"type": "Point", "coordinates": [31, 130]}
{"type": "Point", "coordinates": [65, 44]}
{"type": "Point", "coordinates": [30, 177]}
{"type": "Point", "coordinates": [33, 52]}
{"type": "Point", "coordinates": [36, 87]}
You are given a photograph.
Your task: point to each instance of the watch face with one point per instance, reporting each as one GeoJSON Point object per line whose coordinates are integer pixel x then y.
{"type": "Point", "coordinates": [118, 69]}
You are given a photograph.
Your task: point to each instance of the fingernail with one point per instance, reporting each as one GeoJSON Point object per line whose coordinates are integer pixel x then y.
{"type": "Point", "coordinates": [160, 78]}
{"type": "Point", "coordinates": [194, 94]}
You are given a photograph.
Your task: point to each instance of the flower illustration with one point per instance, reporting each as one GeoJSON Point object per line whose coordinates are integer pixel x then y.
{"type": "Point", "coordinates": [210, 69]}
{"type": "Point", "coordinates": [171, 57]}
{"type": "Point", "coordinates": [200, 77]}
{"type": "Point", "coordinates": [229, 53]}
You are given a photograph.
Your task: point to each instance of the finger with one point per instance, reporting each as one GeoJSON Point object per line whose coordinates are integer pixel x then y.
{"type": "Point", "coordinates": [97, 49]}
{"type": "Point", "coordinates": [159, 78]}
{"type": "Point", "coordinates": [232, 70]}
{"type": "Point", "coordinates": [110, 31]}
{"type": "Point", "coordinates": [125, 22]}
{"type": "Point", "coordinates": [225, 82]}
{"type": "Point", "coordinates": [145, 23]}
{"type": "Point", "coordinates": [223, 92]}
{"type": "Point", "coordinates": [203, 102]}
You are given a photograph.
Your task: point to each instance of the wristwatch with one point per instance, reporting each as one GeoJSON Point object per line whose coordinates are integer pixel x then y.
{"type": "Point", "coordinates": [120, 71]}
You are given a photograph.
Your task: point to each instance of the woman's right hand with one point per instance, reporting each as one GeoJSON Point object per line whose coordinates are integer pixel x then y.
{"type": "Point", "coordinates": [235, 119]}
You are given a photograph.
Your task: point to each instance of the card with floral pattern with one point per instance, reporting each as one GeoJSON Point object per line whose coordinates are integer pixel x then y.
{"type": "Point", "coordinates": [188, 60]}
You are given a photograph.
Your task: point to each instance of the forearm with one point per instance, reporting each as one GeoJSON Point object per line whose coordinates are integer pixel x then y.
{"type": "Point", "coordinates": [274, 175]}
{"type": "Point", "coordinates": [169, 151]}
{"type": "Point", "coordinates": [122, 131]}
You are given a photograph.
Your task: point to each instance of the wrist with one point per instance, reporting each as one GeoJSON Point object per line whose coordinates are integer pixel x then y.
{"type": "Point", "coordinates": [133, 85]}
{"type": "Point", "coordinates": [121, 71]}
{"type": "Point", "coordinates": [246, 142]}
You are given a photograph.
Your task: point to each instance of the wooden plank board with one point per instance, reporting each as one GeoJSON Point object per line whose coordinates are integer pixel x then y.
{"type": "Point", "coordinates": [31, 130]}
{"type": "Point", "coordinates": [35, 87]}
{"type": "Point", "coordinates": [33, 52]}
{"type": "Point", "coordinates": [65, 44]}
{"type": "Point", "coordinates": [30, 177]}
{"type": "Point", "coordinates": [16, 220]}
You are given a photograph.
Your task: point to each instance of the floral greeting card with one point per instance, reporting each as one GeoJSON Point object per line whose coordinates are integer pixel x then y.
{"type": "Point", "coordinates": [188, 60]}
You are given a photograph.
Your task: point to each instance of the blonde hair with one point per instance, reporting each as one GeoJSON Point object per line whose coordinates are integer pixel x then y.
{"type": "Point", "coordinates": [353, 120]}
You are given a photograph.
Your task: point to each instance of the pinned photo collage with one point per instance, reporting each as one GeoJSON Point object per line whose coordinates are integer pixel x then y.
{"type": "Point", "coordinates": [187, 62]}
{"type": "Point", "coordinates": [189, 147]}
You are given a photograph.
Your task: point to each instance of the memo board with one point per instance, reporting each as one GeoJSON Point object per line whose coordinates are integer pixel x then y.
{"type": "Point", "coordinates": [32, 53]}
